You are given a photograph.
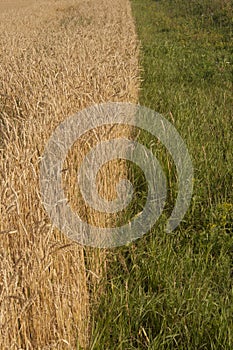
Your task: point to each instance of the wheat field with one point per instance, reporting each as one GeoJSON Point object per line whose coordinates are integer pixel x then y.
{"type": "Point", "coordinates": [56, 58]}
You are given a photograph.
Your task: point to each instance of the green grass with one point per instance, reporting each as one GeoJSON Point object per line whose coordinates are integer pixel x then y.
{"type": "Point", "coordinates": [175, 291]}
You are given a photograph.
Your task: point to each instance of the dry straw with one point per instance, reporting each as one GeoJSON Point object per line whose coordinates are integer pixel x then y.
{"type": "Point", "coordinates": [56, 58]}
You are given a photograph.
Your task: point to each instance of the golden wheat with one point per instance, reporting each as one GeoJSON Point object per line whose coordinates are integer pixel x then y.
{"type": "Point", "coordinates": [56, 58]}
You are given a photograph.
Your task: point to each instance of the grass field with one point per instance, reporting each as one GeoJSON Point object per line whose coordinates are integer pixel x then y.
{"type": "Point", "coordinates": [175, 291]}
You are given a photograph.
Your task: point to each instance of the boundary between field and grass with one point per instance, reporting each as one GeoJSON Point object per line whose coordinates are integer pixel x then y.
{"type": "Point", "coordinates": [174, 291]}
